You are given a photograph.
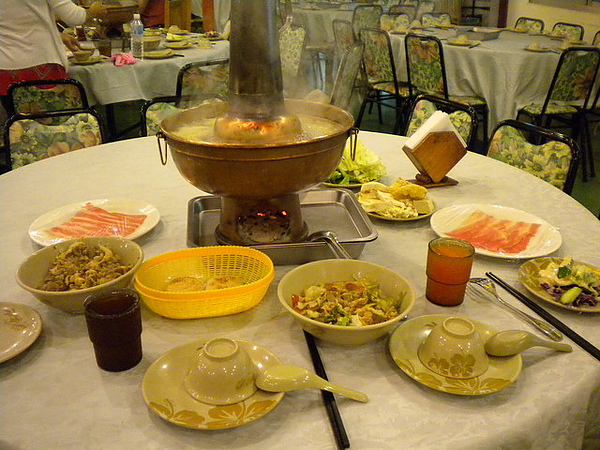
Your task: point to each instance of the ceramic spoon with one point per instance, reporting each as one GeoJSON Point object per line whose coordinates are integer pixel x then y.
{"type": "Point", "coordinates": [511, 342]}
{"type": "Point", "coordinates": [285, 378]}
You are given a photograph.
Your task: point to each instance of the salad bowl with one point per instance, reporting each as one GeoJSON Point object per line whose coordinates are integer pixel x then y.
{"type": "Point", "coordinates": [393, 287]}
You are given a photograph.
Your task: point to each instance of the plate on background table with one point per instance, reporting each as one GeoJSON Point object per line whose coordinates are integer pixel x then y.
{"type": "Point", "coordinates": [95, 59]}
{"type": "Point", "coordinates": [529, 277]}
{"type": "Point", "coordinates": [538, 49]}
{"type": "Point", "coordinates": [546, 239]}
{"type": "Point", "coordinates": [159, 54]}
{"type": "Point", "coordinates": [178, 45]}
{"type": "Point", "coordinates": [39, 229]}
{"type": "Point", "coordinates": [20, 326]}
{"type": "Point", "coordinates": [407, 338]}
{"type": "Point", "coordinates": [165, 393]}
{"type": "Point", "coordinates": [462, 43]}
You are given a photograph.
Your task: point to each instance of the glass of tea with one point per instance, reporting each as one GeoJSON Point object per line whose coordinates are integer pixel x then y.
{"type": "Point", "coordinates": [449, 264]}
{"type": "Point", "coordinates": [115, 326]}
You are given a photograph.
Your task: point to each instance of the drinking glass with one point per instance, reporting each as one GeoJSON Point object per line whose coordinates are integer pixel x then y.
{"type": "Point", "coordinates": [115, 326]}
{"type": "Point", "coordinates": [449, 264]}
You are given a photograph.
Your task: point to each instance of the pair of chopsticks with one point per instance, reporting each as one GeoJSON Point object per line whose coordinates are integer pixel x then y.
{"type": "Point", "coordinates": [333, 413]}
{"type": "Point", "coordinates": [583, 343]}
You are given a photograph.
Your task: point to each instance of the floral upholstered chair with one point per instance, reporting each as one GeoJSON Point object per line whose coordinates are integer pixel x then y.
{"type": "Point", "coordinates": [30, 138]}
{"type": "Point", "coordinates": [571, 31]}
{"type": "Point", "coordinates": [427, 74]}
{"type": "Point", "coordinates": [409, 9]}
{"type": "Point", "coordinates": [382, 83]}
{"type": "Point", "coordinates": [292, 43]}
{"type": "Point", "coordinates": [568, 98]}
{"type": "Point", "coordinates": [395, 22]}
{"type": "Point", "coordinates": [529, 24]}
{"type": "Point", "coordinates": [204, 80]}
{"type": "Point", "coordinates": [436, 20]}
{"type": "Point", "coordinates": [554, 160]}
{"type": "Point", "coordinates": [37, 96]}
{"type": "Point", "coordinates": [365, 16]}
{"type": "Point", "coordinates": [463, 117]}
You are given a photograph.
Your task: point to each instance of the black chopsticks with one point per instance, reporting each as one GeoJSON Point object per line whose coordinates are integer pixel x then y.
{"type": "Point", "coordinates": [584, 344]}
{"type": "Point", "coordinates": [335, 419]}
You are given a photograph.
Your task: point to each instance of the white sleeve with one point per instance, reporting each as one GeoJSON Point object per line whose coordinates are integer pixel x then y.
{"type": "Point", "coordinates": [68, 11]}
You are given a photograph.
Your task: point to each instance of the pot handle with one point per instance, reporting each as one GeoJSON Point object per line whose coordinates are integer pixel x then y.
{"type": "Point", "coordinates": [163, 156]}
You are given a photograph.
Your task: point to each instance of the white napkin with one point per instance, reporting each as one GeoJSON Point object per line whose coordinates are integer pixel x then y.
{"type": "Point", "coordinates": [439, 121]}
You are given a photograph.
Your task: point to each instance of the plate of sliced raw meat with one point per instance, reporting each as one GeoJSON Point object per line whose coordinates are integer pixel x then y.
{"type": "Point", "coordinates": [101, 217]}
{"type": "Point", "coordinates": [498, 231]}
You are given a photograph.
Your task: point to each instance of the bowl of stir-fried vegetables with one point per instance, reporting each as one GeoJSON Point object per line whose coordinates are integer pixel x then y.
{"type": "Point", "coordinates": [346, 302]}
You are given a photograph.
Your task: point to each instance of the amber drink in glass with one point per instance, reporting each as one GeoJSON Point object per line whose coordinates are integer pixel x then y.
{"type": "Point", "coordinates": [449, 264]}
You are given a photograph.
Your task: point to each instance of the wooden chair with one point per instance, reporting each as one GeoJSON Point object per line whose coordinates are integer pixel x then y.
{"type": "Point", "coordinates": [529, 24]}
{"type": "Point", "coordinates": [463, 117]}
{"type": "Point", "coordinates": [381, 78]}
{"type": "Point", "coordinates": [567, 102]}
{"type": "Point", "coordinates": [571, 31]}
{"type": "Point", "coordinates": [427, 75]}
{"type": "Point", "coordinates": [31, 137]}
{"type": "Point", "coordinates": [345, 81]}
{"type": "Point", "coordinates": [548, 155]}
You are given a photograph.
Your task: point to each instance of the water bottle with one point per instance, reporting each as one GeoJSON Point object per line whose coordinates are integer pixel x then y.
{"type": "Point", "coordinates": [137, 37]}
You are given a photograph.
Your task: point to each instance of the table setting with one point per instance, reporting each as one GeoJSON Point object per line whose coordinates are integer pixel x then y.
{"type": "Point", "coordinates": [184, 300]}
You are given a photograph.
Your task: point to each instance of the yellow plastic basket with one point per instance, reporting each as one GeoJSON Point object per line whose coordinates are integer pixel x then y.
{"type": "Point", "coordinates": [254, 268]}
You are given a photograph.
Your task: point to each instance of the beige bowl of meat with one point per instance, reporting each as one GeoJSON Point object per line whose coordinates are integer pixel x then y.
{"type": "Point", "coordinates": [64, 274]}
{"type": "Point", "coordinates": [346, 302]}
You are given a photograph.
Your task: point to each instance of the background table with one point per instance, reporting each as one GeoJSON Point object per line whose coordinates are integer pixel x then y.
{"type": "Point", "coordinates": [499, 70]}
{"type": "Point", "coordinates": [55, 397]}
{"type": "Point", "coordinates": [106, 83]}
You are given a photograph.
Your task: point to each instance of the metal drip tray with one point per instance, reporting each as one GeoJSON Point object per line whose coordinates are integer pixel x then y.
{"type": "Point", "coordinates": [322, 209]}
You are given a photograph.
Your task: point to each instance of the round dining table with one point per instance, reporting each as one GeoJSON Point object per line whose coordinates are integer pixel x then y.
{"type": "Point", "coordinates": [54, 396]}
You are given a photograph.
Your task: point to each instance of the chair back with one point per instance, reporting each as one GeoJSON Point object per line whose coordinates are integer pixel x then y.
{"type": "Point", "coordinates": [378, 58]}
{"type": "Point", "coordinates": [37, 96]}
{"type": "Point", "coordinates": [32, 137]}
{"type": "Point", "coordinates": [204, 80]}
{"type": "Point", "coordinates": [343, 36]}
{"type": "Point", "coordinates": [157, 109]}
{"type": "Point", "coordinates": [365, 16]}
{"type": "Point", "coordinates": [392, 22]}
{"type": "Point", "coordinates": [574, 77]}
{"type": "Point", "coordinates": [345, 79]}
{"type": "Point", "coordinates": [554, 157]}
{"type": "Point", "coordinates": [436, 20]}
{"type": "Point", "coordinates": [425, 65]}
{"type": "Point", "coordinates": [529, 24]}
{"type": "Point", "coordinates": [596, 40]}
{"type": "Point", "coordinates": [292, 42]}
{"type": "Point", "coordinates": [463, 117]}
{"type": "Point", "coordinates": [408, 10]}
{"type": "Point", "coordinates": [425, 6]}
{"type": "Point", "coordinates": [571, 31]}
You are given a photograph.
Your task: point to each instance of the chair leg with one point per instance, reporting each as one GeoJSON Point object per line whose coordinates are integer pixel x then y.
{"type": "Point", "coordinates": [588, 143]}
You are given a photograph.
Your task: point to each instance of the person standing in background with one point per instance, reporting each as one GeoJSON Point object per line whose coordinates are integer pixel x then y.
{"type": "Point", "coordinates": [31, 47]}
{"type": "Point", "coordinates": [152, 12]}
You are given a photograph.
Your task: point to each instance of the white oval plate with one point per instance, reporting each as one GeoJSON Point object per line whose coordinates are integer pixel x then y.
{"type": "Point", "coordinates": [165, 393]}
{"type": "Point", "coordinates": [20, 326]}
{"type": "Point", "coordinates": [38, 230]}
{"type": "Point", "coordinates": [545, 241]}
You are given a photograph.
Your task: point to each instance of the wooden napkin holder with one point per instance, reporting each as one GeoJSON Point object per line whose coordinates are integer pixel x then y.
{"type": "Point", "coordinates": [434, 156]}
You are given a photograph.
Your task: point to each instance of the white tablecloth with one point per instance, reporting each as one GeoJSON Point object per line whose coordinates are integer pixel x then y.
{"type": "Point", "coordinates": [55, 397]}
{"type": "Point", "coordinates": [106, 83]}
{"type": "Point", "coordinates": [500, 70]}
